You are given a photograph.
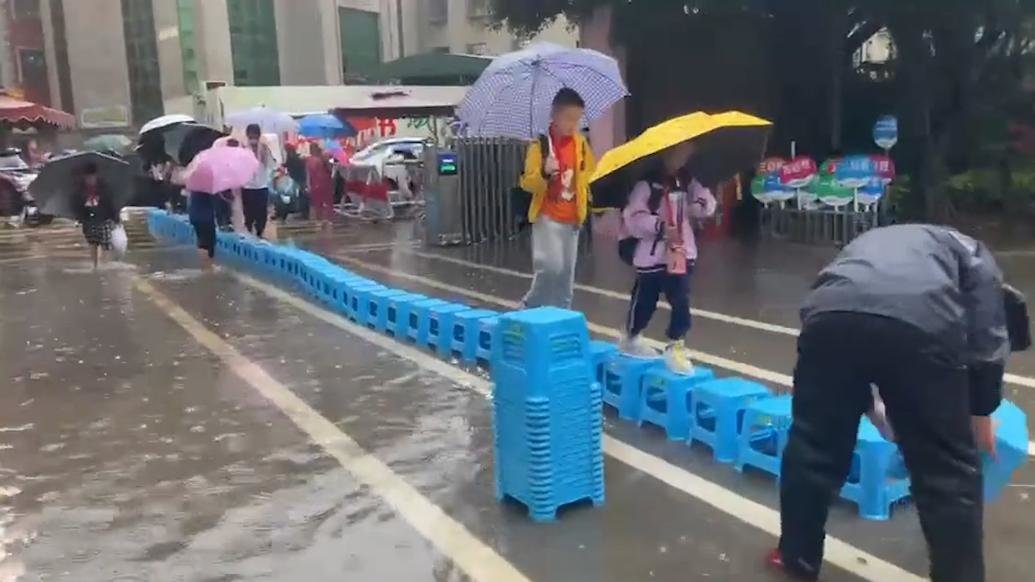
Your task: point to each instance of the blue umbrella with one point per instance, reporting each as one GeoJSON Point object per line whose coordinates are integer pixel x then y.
{"type": "Point", "coordinates": [513, 95]}
{"type": "Point", "coordinates": [324, 126]}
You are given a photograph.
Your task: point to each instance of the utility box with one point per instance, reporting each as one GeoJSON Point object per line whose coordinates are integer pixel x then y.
{"type": "Point", "coordinates": [443, 211]}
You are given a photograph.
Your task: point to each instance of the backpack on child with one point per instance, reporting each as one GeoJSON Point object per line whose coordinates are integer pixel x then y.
{"type": "Point", "coordinates": [627, 246]}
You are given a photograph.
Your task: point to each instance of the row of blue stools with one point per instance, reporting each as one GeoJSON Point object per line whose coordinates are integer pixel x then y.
{"type": "Point", "coordinates": [452, 329]}
{"type": "Point", "coordinates": [741, 421]}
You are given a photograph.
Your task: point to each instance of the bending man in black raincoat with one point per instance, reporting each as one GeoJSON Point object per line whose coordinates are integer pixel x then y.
{"type": "Point", "coordinates": [921, 312]}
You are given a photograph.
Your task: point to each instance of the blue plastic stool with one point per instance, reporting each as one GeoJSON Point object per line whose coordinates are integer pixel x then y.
{"type": "Point", "coordinates": [419, 328]}
{"type": "Point", "coordinates": [623, 381]}
{"type": "Point", "coordinates": [396, 311]}
{"type": "Point", "coordinates": [878, 478]}
{"type": "Point", "coordinates": [440, 325]}
{"type": "Point", "coordinates": [358, 300]}
{"type": "Point", "coordinates": [600, 353]}
{"type": "Point", "coordinates": [376, 310]}
{"type": "Point", "coordinates": [665, 399]}
{"type": "Point", "coordinates": [400, 310]}
{"type": "Point", "coordinates": [1011, 448]}
{"type": "Point", "coordinates": [486, 331]}
{"type": "Point", "coordinates": [716, 410]}
{"type": "Point", "coordinates": [466, 327]}
{"type": "Point", "coordinates": [763, 434]}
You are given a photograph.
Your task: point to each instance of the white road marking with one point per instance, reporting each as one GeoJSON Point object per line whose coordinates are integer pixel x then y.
{"type": "Point", "coordinates": [838, 553]}
{"type": "Point", "coordinates": [781, 380]}
{"type": "Point", "coordinates": [703, 313]}
{"type": "Point", "coordinates": [450, 537]}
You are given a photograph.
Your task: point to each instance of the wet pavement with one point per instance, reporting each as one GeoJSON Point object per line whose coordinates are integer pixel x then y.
{"type": "Point", "coordinates": [157, 423]}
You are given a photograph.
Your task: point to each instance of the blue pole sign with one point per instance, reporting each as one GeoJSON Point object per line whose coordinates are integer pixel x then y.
{"type": "Point", "coordinates": [885, 132]}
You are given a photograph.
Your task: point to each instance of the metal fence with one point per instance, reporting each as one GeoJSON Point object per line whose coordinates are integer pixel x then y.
{"type": "Point", "coordinates": [821, 226]}
{"type": "Point", "coordinates": [489, 170]}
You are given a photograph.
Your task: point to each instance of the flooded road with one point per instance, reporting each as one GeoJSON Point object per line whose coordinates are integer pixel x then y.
{"type": "Point", "coordinates": [158, 423]}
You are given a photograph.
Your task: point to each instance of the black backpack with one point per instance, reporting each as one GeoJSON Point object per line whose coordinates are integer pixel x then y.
{"type": "Point", "coordinates": [627, 246]}
{"type": "Point", "coordinates": [521, 199]}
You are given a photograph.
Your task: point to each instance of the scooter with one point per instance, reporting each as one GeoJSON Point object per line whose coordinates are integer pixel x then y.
{"type": "Point", "coordinates": [285, 197]}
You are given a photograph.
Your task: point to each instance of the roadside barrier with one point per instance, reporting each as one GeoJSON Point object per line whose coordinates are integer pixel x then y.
{"type": "Point", "coordinates": [550, 383]}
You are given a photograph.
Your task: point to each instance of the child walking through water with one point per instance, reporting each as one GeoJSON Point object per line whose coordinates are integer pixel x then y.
{"type": "Point", "coordinates": [657, 228]}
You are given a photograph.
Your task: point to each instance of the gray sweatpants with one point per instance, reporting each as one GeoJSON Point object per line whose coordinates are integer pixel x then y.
{"type": "Point", "coordinates": [554, 254]}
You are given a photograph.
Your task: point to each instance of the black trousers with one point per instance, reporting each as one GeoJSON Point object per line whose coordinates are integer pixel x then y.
{"type": "Point", "coordinates": [926, 393]}
{"type": "Point", "coordinates": [644, 302]}
{"type": "Point", "coordinates": [222, 208]}
{"type": "Point", "coordinates": [255, 204]}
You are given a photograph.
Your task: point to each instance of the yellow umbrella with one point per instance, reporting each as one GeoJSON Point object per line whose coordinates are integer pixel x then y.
{"type": "Point", "coordinates": [727, 143]}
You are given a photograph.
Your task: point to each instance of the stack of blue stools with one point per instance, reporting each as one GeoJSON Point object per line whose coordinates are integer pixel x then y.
{"type": "Point", "coordinates": [547, 412]}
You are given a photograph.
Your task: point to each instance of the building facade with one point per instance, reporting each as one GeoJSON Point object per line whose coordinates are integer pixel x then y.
{"type": "Point", "coordinates": [464, 27]}
{"type": "Point", "coordinates": [118, 63]}
{"type": "Point", "coordinates": [22, 61]}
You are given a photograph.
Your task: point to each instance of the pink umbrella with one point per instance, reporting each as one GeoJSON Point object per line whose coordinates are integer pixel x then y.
{"type": "Point", "coordinates": [221, 168]}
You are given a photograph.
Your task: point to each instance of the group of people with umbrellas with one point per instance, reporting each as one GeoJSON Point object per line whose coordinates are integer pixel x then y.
{"type": "Point", "coordinates": [918, 311]}
{"type": "Point", "coordinates": [204, 167]}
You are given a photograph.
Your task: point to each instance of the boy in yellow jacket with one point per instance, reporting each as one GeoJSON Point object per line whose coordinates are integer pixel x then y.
{"type": "Point", "coordinates": [559, 183]}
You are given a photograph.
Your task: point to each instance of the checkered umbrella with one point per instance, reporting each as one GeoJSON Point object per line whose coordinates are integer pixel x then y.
{"type": "Point", "coordinates": [512, 97]}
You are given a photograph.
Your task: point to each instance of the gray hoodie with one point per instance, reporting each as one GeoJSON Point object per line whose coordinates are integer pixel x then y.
{"type": "Point", "coordinates": [943, 282]}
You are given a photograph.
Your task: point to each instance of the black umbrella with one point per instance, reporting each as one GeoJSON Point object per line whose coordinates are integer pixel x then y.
{"type": "Point", "coordinates": [187, 140]}
{"type": "Point", "coordinates": [60, 182]}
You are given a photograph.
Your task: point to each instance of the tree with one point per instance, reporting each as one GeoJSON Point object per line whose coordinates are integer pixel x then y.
{"type": "Point", "coordinates": [957, 63]}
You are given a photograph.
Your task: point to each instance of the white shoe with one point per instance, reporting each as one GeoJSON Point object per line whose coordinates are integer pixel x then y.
{"type": "Point", "coordinates": [677, 358]}
{"type": "Point", "coordinates": [636, 347]}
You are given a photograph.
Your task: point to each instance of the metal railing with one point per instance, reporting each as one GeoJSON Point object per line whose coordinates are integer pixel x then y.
{"type": "Point", "coordinates": [489, 170]}
{"type": "Point", "coordinates": [821, 226]}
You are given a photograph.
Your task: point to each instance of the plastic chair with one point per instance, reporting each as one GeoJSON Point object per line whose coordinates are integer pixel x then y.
{"type": "Point", "coordinates": [419, 327]}
{"type": "Point", "coordinates": [400, 310]}
{"type": "Point", "coordinates": [878, 478]}
{"type": "Point", "coordinates": [600, 353]}
{"type": "Point", "coordinates": [716, 410]}
{"type": "Point", "coordinates": [623, 380]}
{"type": "Point", "coordinates": [763, 434]}
{"type": "Point", "coordinates": [665, 399]}
{"type": "Point", "coordinates": [466, 327]}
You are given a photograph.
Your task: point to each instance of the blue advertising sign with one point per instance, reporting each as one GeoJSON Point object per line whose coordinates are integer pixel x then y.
{"type": "Point", "coordinates": [885, 132]}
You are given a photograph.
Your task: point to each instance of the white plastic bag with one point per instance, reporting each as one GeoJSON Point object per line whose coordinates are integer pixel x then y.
{"type": "Point", "coordinates": [119, 240]}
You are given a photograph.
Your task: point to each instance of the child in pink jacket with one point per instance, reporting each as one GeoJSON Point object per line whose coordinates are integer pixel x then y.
{"type": "Point", "coordinates": [658, 214]}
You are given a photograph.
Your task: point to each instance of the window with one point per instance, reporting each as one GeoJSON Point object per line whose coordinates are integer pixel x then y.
{"type": "Point", "coordinates": [443, 50]}
{"type": "Point", "coordinates": [185, 13]}
{"type": "Point", "coordinates": [478, 48]}
{"type": "Point", "coordinates": [145, 81]}
{"type": "Point", "coordinates": [26, 9]}
{"type": "Point", "coordinates": [438, 11]}
{"type": "Point", "coordinates": [477, 9]}
{"type": "Point", "coordinates": [360, 41]}
{"type": "Point", "coordinates": [253, 42]}
{"type": "Point", "coordinates": [64, 72]}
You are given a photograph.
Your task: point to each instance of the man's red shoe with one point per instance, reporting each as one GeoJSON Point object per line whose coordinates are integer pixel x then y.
{"type": "Point", "coordinates": [795, 571]}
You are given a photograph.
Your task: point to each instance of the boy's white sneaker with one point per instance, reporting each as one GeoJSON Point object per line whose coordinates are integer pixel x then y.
{"type": "Point", "coordinates": [636, 347]}
{"type": "Point", "coordinates": [677, 358]}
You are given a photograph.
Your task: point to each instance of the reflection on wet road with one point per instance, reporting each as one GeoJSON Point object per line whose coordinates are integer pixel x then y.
{"type": "Point", "coordinates": [157, 423]}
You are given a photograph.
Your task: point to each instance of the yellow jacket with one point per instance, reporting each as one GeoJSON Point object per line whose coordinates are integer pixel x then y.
{"type": "Point", "coordinates": [533, 181]}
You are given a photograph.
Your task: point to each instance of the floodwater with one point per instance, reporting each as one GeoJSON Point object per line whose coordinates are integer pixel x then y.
{"type": "Point", "coordinates": [160, 423]}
